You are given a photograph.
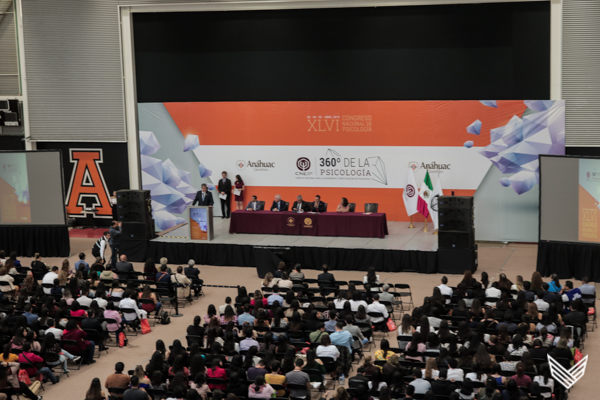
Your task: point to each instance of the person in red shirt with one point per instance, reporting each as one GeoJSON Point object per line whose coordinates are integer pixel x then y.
{"type": "Point", "coordinates": [520, 377]}
{"type": "Point", "coordinates": [85, 348]}
{"type": "Point", "coordinates": [26, 356]}
{"type": "Point", "coordinates": [216, 372]}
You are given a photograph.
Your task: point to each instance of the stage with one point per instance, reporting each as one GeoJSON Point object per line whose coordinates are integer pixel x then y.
{"type": "Point", "coordinates": [403, 249]}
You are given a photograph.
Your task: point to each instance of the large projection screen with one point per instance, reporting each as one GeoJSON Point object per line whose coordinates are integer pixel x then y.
{"type": "Point", "coordinates": [569, 199]}
{"type": "Point", "coordinates": [31, 188]}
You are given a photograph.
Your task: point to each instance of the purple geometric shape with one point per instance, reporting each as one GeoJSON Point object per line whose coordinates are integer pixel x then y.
{"type": "Point", "coordinates": [505, 182]}
{"type": "Point", "coordinates": [170, 173]}
{"type": "Point", "coordinates": [191, 143]}
{"type": "Point", "coordinates": [523, 181]}
{"type": "Point", "coordinates": [474, 128]}
{"type": "Point", "coordinates": [210, 186]}
{"type": "Point", "coordinates": [148, 143]}
{"type": "Point", "coordinates": [204, 172]}
{"type": "Point", "coordinates": [468, 144]}
{"type": "Point", "coordinates": [187, 190]}
{"type": "Point", "coordinates": [165, 220]}
{"type": "Point", "coordinates": [152, 166]}
{"type": "Point", "coordinates": [489, 103]}
{"type": "Point", "coordinates": [539, 105]}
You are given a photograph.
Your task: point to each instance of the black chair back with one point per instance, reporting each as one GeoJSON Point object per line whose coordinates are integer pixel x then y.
{"type": "Point", "coordinates": [371, 207]}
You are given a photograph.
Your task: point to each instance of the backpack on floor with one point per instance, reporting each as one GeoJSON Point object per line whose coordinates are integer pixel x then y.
{"type": "Point", "coordinates": [122, 340]}
{"type": "Point", "coordinates": [164, 318]}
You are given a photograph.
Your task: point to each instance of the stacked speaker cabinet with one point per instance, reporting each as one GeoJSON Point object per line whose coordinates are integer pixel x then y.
{"type": "Point", "coordinates": [134, 209]}
{"type": "Point", "coordinates": [457, 250]}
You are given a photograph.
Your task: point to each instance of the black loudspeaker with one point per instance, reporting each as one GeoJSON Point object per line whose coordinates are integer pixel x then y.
{"type": "Point", "coordinates": [456, 222]}
{"type": "Point", "coordinates": [134, 206]}
{"type": "Point", "coordinates": [138, 230]}
{"type": "Point", "coordinates": [457, 261]}
{"type": "Point", "coordinates": [458, 219]}
{"type": "Point", "coordinates": [454, 202]}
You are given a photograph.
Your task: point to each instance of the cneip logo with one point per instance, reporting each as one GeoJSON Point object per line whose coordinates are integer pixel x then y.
{"type": "Point", "coordinates": [410, 190]}
{"type": "Point", "coordinates": [303, 164]}
{"type": "Point", "coordinates": [569, 377]}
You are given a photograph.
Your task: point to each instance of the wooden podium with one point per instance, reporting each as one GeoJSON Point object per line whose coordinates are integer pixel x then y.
{"type": "Point", "coordinates": [200, 221]}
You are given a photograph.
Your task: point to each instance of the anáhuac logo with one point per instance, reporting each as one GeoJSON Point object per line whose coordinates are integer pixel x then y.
{"type": "Point", "coordinates": [434, 166]}
{"type": "Point", "coordinates": [258, 165]}
{"type": "Point", "coordinates": [303, 164]}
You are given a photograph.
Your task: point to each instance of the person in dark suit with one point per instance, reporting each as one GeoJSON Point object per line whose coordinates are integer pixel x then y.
{"type": "Point", "coordinates": [300, 205]}
{"type": "Point", "coordinates": [123, 267]}
{"type": "Point", "coordinates": [318, 205]}
{"type": "Point", "coordinates": [203, 197]}
{"type": "Point", "coordinates": [115, 231]}
{"type": "Point", "coordinates": [254, 205]}
{"type": "Point", "coordinates": [224, 187]}
{"type": "Point", "coordinates": [326, 275]}
{"type": "Point", "coordinates": [278, 204]}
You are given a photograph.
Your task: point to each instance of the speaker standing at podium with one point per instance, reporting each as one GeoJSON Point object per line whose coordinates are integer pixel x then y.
{"type": "Point", "coordinates": [224, 188]}
{"type": "Point", "coordinates": [203, 197]}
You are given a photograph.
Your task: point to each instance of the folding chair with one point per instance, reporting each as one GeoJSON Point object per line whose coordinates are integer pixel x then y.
{"type": "Point", "coordinates": [379, 326]}
{"type": "Point", "coordinates": [407, 292]}
{"type": "Point", "coordinates": [95, 337]}
{"type": "Point", "coordinates": [134, 323]}
{"type": "Point", "coordinates": [73, 344]}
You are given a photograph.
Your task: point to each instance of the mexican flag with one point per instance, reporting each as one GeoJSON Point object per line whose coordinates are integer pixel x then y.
{"type": "Point", "coordinates": [425, 196]}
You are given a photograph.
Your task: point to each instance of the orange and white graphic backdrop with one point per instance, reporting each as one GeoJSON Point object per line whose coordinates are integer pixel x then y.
{"type": "Point", "coordinates": [359, 150]}
{"type": "Point", "coordinates": [589, 200]}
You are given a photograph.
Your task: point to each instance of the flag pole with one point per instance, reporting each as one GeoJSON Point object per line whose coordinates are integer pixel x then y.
{"type": "Point", "coordinates": [435, 232]}
{"type": "Point", "coordinates": [411, 226]}
{"type": "Point", "coordinates": [425, 229]}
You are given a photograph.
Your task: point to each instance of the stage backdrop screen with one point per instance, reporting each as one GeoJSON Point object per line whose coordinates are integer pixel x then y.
{"type": "Point", "coordinates": [570, 199]}
{"type": "Point", "coordinates": [31, 188]}
{"type": "Point", "coordinates": [361, 150]}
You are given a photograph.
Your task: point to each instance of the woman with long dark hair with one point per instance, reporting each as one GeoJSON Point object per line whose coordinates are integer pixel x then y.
{"type": "Point", "coordinates": [239, 198]}
{"type": "Point", "coordinates": [260, 389]}
{"type": "Point", "coordinates": [512, 391]}
{"type": "Point", "coordinates": [344, 206]}
{"type": "Point", "coordinates": [95, 391]}
{"type": "Point", "coordinates": [384, 351]}
{"type": "Point", "coordinates": [52, 353]}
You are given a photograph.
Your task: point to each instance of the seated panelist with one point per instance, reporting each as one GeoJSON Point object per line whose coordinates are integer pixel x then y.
{"type": "Point", "coordinates": [253, 205]}
{"type": "Point", "coordinates": [278, 204]}
{"type": "Point", "coordinates": [317, 205]}
{"type": "Point", "coordinates": [344, 206]}
{"type": "Point", "coordinates": [300, 205]}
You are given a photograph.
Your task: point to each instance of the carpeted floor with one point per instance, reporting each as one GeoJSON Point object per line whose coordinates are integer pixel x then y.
{"type": "Point", "coordinates": [512, 259]}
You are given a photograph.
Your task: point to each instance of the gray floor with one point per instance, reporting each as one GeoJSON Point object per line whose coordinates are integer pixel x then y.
{"type": "Point", "coordinates": [399, 238]}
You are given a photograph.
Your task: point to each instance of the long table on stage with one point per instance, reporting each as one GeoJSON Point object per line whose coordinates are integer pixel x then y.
{"type": "Point", "coordinates": [322, 224]}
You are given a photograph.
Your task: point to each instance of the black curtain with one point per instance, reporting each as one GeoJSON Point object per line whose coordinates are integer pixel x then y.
{"type": "Point", "coordinates": [49, 241]}
{"type": "Point", "coordinates": [569, 260]}
{"type": "Point", "coordinates": [265, 259]}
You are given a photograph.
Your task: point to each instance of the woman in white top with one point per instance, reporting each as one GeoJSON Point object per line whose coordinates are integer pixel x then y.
{"type": "Point", "coordinates": [340, 300]}
{"type": "Point", "coordinates": [405, 329]}
{"type": "Point", "coordinates": [268, 281]}
{"type": "Point", "coordinates": [285, 282]}
{"type": "Point", "coordinates": [431, 370]}
{"type": "Point", "coordinates": [544, 380]}
{"type": "Point", "coordinates": [372, 279]}
{"type": "Point", "coordinates": [357, 302]}
{"type": "Point", "coordinates": [477, 375]}
{"type": "Point", "coordinates": [326, 349]}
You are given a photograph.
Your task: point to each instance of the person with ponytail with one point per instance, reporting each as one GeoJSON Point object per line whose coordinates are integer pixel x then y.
{"type": "Point", "coordinates": [260, 389]}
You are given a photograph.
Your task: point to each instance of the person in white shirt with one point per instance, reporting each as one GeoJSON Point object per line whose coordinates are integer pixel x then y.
{"type": "Point", "coordinates": [453, 372]}
{"type": "Point", "coordinates": [84, 300]}
{"type": "Point", "coordinates": [49, 279]}
{"type": "Point", "coordinates": [372, 279]}
{"type": "Point", "coordinates": [445, 289]}
{"type": "Point", "coordinates": [357, 302]}
{"type": "Point", "coordinates": [492, 292]}
{"type": "Point", "coordinates": [224, 306]}
{"type": "Point", "coordinates": [542, 305]}
{"type": "Point", "coordinates": [129, 301]}
{"type": "Point", "coordinates": [102, 303]}
{"type": "Point", "coordinates": [340, 300]}
{"type": "Point", "coordinates": [326, 349]}
{"type": "Point", "coordinates": [53, 330]}
{"type": "Point", "coordinates": [285, 282]}
{"type": "Point", "coordinates": [376, 306]}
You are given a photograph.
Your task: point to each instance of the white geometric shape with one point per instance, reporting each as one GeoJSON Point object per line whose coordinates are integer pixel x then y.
{"type": "Point", "coordinates": [148, 143]}
{"type": "Point", "coordinates": [170, 173]}
{"type": "Point", "coordinates": [152, 166]}
{"type": "Point", "coordinates": [191, 143]}
{"type": "Point", "coordinates": [569, 377]}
